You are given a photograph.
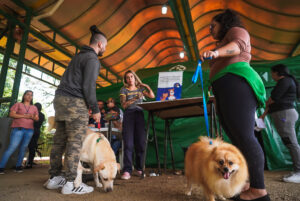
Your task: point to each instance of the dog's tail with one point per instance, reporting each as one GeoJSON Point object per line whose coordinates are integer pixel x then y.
{"type": "Point", "coordinates": [51, 122]}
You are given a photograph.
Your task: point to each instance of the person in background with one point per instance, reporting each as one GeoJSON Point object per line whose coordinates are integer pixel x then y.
{"type": "Point", "coordinates": [281, 107]}
{"type": "Point", "coordinates": [113, 115]}
{"type": "Point", "coordinates": [111, 103]}
{"type": "Point", "coordinates": [24, 114]}
{"type": "Point", "coordinates": [101, 105]}
{"type": "Point", "coordinates": [238, 90]}
{"type": "Point", "coordinates": [75, 94]}
{"type": "Point", "coordinates": [92, 123]}
{"type": "Point", "coordinates": [134, 135]}
{"type": "Point", "coordinates": [36, 134]}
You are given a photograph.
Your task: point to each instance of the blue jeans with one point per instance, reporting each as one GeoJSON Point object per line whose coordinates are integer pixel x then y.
{"type": "Point", "coordinates": [18, 137]}
{"type": "Point", "coordinates": [115, 145]}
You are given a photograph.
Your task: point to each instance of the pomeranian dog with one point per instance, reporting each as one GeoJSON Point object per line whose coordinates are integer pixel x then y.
{"type": "Point", "coordinates": [216, 166]}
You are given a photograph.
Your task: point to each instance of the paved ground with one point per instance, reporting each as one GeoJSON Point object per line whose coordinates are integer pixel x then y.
{"type": "Point", "coordinates": [27, 186]}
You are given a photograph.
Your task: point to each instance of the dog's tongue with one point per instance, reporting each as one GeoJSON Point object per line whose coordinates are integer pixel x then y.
{"type": "Point", "coordinates": [226, 175]}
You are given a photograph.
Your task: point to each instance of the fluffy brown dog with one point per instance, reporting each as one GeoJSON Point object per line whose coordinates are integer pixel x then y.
{"type": "Point", "coordinates": [218, 167]}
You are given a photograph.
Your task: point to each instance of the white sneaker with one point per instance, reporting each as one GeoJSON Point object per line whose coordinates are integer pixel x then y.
{"type": "Point", "coordinates": [69, 188]}
{"type": "Point", "coordinates": [55, 182]}
{"type": "Point", "coordinates": [295, 178]}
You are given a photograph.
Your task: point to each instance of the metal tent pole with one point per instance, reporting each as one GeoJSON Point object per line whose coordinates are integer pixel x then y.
{"type": "Point", "coordinates": [21, 58]}
{"type": "Point", "coordinates": [10, 44]}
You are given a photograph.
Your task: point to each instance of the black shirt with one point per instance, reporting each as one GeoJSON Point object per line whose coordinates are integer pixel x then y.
{"type": "Point", "coordinates": [283, 95]}
{"type": "Point", "coordinates": [38, 124]}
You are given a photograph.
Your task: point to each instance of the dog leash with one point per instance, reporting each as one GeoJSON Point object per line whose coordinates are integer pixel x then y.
{"type": "Point", "coordinates": [99, 126]}
{"type": "Point", "coordinates": [197, 73]}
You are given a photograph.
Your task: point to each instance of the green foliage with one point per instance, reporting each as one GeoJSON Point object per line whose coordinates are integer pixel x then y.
{"type": "Point", "coordinates": [4, 110]}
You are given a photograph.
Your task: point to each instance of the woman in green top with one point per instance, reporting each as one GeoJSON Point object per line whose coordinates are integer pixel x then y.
{"type": "Point", "coordinates": [238, 90]}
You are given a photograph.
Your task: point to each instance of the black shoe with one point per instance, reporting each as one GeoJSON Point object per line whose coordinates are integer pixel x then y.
{"type": "Point", "coordinates": [28, 166]}
{"type": "Point", "coordinates": [2, 171]}
{"type": "Point", "coordinates": [236, 197]}
{"type": "Point", "coordinates": [264, 198]}
{"type": "Point", "coordinates": [19, 169]}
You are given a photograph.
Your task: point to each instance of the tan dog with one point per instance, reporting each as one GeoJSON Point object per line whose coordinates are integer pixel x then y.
{"type": "Point", "coordinates": [51, 122]}
{"type": "Point", "coordinates": [218, 167]}
{"type": "Point", "coordinates": [97, 152]}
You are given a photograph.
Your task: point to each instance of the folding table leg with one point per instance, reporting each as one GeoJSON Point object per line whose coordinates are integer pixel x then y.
{"type": "Point", "coordinates": [146, 145]}
{"type": "Point", "coordinates": [150, 120]}
{"type": "Point", "coordinates": [155, 141]}
{"type": "Point", "coordinates": [165, 146]}
{"type": "Point", "coordinates": [171, 145]}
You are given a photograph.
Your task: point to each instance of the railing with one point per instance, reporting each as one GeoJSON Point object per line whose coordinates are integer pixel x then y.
{"type": "Point", "coordinates": [5, 100]}
{"type": "Point", "coordinates": [44, 148]}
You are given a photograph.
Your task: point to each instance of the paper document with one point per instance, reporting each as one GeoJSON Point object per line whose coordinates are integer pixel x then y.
{"type": "Point", "coordinates": [169, 85]}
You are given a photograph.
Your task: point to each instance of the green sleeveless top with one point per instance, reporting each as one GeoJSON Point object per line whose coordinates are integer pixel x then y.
{"type": "Point", "coordinates": [244, 70]}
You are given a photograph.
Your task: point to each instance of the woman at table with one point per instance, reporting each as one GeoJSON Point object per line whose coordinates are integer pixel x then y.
{"type": "Point", "coordinates": [134, 135]}
{"type": "Point", "coordinates": [238, 90]}
{"type": "Point", "coordinates": [24, 114]}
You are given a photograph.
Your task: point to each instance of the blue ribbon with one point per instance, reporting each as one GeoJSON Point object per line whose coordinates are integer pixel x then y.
{"type": "Point", "coordinates": [197, 73]}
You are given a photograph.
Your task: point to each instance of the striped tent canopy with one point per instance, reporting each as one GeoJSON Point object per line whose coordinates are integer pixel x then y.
{"type": "Point", "coordinates": [140, 36]}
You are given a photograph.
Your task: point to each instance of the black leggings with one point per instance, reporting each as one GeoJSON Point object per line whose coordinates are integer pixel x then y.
{"type": "Point", "coordinates": [236, 105]}
{"type": "Point", "coordinates": [134, 138]}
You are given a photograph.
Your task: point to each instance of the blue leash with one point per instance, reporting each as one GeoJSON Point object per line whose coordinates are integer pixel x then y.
{"type": "Point", "coordinates": [197, 73]}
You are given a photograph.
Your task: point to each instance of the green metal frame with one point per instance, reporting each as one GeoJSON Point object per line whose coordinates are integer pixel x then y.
{"type": "Point", "coordinates": [38, 78]}
{"type": "Point", "coordinates": [21, 58]}
{"type": "Point", "coordinates": [10, 44]}
{"type": "Point", "coordinates": [34, 65]}
{"type": "Point", "coordinates": [188, 16]}
{"type": "Point", "coordinates": [57, 31]}
{"type": "Point", "coordinates": [178, 21]}
{"type": "Point", "coordinates": [295, 50]}
{"type": "Point", "coordinates": [42, 37]}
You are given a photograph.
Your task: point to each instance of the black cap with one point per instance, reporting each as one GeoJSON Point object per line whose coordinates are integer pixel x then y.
{"type": "Point", "coordinates": [94, 30]}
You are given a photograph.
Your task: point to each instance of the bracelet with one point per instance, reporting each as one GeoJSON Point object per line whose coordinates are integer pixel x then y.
{"type": "Point", "coordinates": [217, 53]}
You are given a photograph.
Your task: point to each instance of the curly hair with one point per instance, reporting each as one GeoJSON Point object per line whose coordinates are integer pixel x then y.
{"type": "Point", "coordinates": [227, 20]}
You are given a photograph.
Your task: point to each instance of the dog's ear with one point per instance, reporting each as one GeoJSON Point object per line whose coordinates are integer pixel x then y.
{"type": "Point", "coordinates": [119, 168]}
{"type": "Point", "coordinates": [214, 151]}
{"type": "Point", "coordinates": [99, 167]}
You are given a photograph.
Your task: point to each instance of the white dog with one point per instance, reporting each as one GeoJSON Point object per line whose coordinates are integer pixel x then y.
{"type": "Point", "coordinates": [97, 152]}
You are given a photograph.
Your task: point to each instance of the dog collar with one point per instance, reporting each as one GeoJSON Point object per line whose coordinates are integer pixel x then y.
{"type": "Point", "coordinates": [98, 139]}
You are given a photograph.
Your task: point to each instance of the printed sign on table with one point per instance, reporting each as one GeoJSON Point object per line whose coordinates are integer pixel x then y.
{"type": "Point", "coordinates": [169, 85]}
